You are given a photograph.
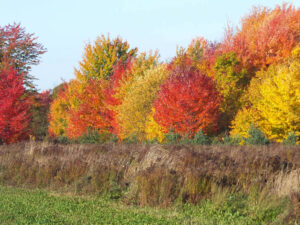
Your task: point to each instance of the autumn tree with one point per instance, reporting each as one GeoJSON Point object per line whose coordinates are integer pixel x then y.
{"type": "Point", "coordinates": [59, 115]}
{"type": "Point", "coordinates": [40, 103]}
{"type": "Point", "coordinates": [100, 58]}
{"type": "Point", "coordinates": [199, 55]}
{"type": "Point", "coordinates": [14, 107]}
{"type": "Point", "coordinates": [265, 37]}
{"type": "Point", "coordinates": [188, 101]}
{"type": "Point", "coordinates": [203, 55]}
{"type": "Point", "coordinates": [231, 80]}
{"type": "Point", "coordinates": [274, 101]}
{"type": "Point", "coordinates": [21, 50]}
{"type": "Point", "coordinates": [134, 114]}
{"type": "Point", "coordinates": [90, 114]}
{"type": "Point", "coordinates": [136, 93]}
{"type": "Point", "coordinates": [83, 101]}
{"type": "Point", "coordinates": [121, 72]}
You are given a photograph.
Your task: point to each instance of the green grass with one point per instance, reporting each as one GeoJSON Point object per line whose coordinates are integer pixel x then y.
{"type": "Point", "coordinates": [23, 206]}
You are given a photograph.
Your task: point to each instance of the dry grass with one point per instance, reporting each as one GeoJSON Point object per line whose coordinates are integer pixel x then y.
{"type": "Point", "coordinates": [152, 174]}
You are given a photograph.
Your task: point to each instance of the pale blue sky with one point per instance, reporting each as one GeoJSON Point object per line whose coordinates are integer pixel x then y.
{"type": "Point", "coordinates": [65, 26]}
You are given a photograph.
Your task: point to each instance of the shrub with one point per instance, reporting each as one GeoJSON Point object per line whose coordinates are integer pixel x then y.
{"type": "Point", "coordinates": [152, 141]}
{"type": "Point", "coordinates": [93, 136]}
{"type": "Point", "coordinates": [256, 137]}
{"type": "Point", "coordinates": [114, 138]}
{"type": "Point", "coordinates": [216, 141]}
{"type": "Point", "coordinates": [185, 139]}
{"type": "Point", "coordinates": [232, 140]}
{"type": "Point", "coordinates": [132, 139]}
{"type": "Point", "coordinates": [200, 139]}
{"type": "Point", "coordinates": [63, 140]}
{"type": "Point", "coordinates": [290, 140]}
{"type": "Point", "coordinates": [172, 137]}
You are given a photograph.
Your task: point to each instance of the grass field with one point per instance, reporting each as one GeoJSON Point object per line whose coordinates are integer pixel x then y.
{"type": "Point", "coordinates": [23, 206]}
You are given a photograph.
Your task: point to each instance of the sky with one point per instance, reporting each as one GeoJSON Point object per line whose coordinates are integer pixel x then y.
{"type": "Point", "coordinates": [64, 27]}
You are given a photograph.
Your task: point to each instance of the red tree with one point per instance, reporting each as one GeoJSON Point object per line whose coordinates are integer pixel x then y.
{"type": "Point", "coordinates": [21, 50]}
{"type": "Point", "coordinates": [14, 117]}
{"type": "Point", "coordinates": [188, 101]}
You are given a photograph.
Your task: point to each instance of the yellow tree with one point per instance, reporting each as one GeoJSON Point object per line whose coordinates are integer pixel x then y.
{"type": "Point", "coordinates": [138, 93]}
{"type": "Point", "coordinates": [274, 97]}
{"type": "Point", "coordinates": [58, 114]}
{"type": "Point", "coordinates": [100, 58]}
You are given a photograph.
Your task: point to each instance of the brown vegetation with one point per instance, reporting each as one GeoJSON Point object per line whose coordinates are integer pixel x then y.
{"type": "Point", "coordinates": [153, 174]}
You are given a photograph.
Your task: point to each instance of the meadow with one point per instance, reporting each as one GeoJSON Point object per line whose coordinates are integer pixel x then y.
{"type": "Point", "coordinates": [111, 183]}
{"type": "Point", "coordinates": [22, 206]}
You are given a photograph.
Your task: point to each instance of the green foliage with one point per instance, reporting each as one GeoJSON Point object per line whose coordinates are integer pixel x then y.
{"type": "Point", "coordinates": [63, 140]}
{"type": "Point", "coordinates": [200, 139]}
{"type": "Point", "coordinates": [216, 141]}
{"type": "Point", "coordinates": [290, 140]}
{"type": "Point", "coordinates": [172, 137]}
{"type": "Point", "coordinates": [94, 137]}
{"type": "Point", "coordinates": [256, 137]}
{"type": "Point", "coordinates": [231, 80]}
{"type": "Point", "coordinates": [18, 206]}
{"type": "Point", "coordinates": [232, 140]}
{"type": "Point", "coordinates": [114, 138]}
{"type": "Point", "coordinates": [185, 139]}
{"type": "Point", "coordinates": [132, 139]}
{"type": "Point", "coordinates": [152, 141]}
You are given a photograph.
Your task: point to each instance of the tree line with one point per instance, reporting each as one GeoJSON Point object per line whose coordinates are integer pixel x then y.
{"type": "Point", "coordinates": [250, 81]}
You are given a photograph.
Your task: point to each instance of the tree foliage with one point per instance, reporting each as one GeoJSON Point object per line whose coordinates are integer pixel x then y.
{"type": "Point", "coordinates": [21, 50]}
{"type": "Point", "coordinates": [120, 74]}
{"type": "Point", "coordinates": [251, 78]}
{"type": "Point", "coordinates": [90, 113]}
{"type": "Point", "coordinates": [59, 113]}
{"type": "Point", "coordinates": [274, 97]}
{"type": "Point", "coordinates": [14, 106]}
{"type": "Point", "coordinates": [99, 59]}
{"type": "Point", "coordinates": [137, 93]}
{"type": "Point", "coordinates": [40, 103]}
{"type": "Point", "coordinates": [231, 81]}
{"type": "Point", "coordinates": [265, 37]}
{"type": "Point", "coordinates": [188, 101]}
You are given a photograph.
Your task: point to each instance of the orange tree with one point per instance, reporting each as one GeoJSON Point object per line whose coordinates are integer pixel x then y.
{"type": "Point", "coordinates": [265, 37]}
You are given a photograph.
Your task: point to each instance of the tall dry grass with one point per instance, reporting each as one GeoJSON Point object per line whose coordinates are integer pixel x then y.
{"type": "Point", "coordinates": [153, 174]}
